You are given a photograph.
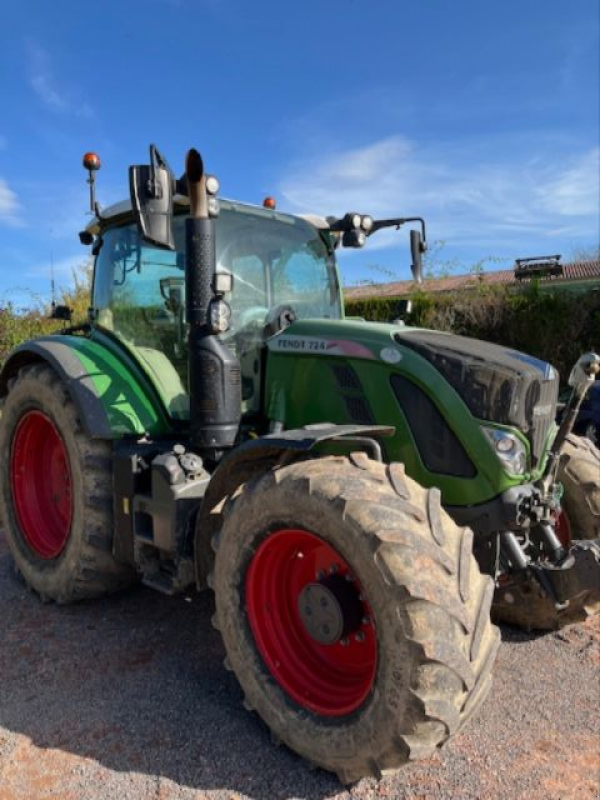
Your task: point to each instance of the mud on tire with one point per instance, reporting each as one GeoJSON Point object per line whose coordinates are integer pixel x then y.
{"type": "Point", "coordinates": [430, 609]}
{"type": "Point", "coordinates": [579, 472]}
{"type": "Point", "coordinates": [79, 564]}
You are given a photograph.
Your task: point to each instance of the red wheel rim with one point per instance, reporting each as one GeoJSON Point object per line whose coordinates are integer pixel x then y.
{"type": "Point", "coordinates": [330, 679]}
{"type": "Point", "coordinates": [563, 528]}
{"type": "Point", "coordinates": [41, 484]}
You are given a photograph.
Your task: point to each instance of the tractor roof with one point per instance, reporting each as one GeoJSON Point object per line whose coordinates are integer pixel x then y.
{"type": "Point", "coordinates": [122, 212]}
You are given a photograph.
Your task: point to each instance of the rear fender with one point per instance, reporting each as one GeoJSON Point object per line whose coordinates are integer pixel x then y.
{"type": "Point", "coordinates": [111, 399]}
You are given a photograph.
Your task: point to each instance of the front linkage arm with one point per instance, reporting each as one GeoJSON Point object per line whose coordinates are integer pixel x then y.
{"type": "Point", "coordinates": [569, 577]}
{"type": "Point", "coordinates": [581, 379]}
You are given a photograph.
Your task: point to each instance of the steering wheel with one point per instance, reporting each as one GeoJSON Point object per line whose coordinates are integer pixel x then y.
{"type": "Point", "coordinates": [278, 319]}
{"type": "Point", "coordinates": [253, 316]}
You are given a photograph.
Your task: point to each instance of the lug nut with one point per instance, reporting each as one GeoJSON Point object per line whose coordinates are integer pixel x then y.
{"type": "Point", "coordinates": [366, 621]}
{"type": "Point", "coordinates": [360, 636]}
{"type": "Point", "coordinates": [345, 642]}
{"type": "Point", "coordinates": [333, 569]}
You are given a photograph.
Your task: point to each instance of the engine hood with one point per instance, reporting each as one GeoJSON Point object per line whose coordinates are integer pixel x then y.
{"type": "Point", "coordinates": [496, 383]}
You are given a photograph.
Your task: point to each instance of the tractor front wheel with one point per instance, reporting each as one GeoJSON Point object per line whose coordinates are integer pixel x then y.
{"type": "Point", "coordinates": [352, 612]}
{"type": "Point", "coordinates": [579, 473]}
{"type": "Point", "coordinates": [56, 493]}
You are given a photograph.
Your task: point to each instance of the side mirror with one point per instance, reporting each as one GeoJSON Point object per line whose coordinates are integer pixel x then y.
{"type": "Point", "coordinates": [417, 248]}
{"type": "Point", "coordinates": [584, 372]}
{"type": "Point", "coordinates": [62, 312]}
{"type": "Point", "coordinates": [151, 190]}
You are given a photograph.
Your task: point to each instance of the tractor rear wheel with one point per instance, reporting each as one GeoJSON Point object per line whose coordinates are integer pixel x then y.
{"type": "Point", "coordinates": [352, 612]}
{"type": "Point", "coordinates": [56, 493]}
{"type": "Point", "coordinates": [579, 474]}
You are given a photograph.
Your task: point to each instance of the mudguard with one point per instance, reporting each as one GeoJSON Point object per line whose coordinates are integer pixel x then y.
{"type": "Point", "coordinates": [257, 456]}
{"type": "Point", "coordinates": [112, 396]}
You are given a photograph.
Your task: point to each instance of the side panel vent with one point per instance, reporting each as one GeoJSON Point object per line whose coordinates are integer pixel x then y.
{"type": "Point", "coordinates": [351, 392]}
{"type": "Point", "coordinates": [358, 410]}
{"type": "Point", "coordinates": [439, 448]}
{"type": "Point", "coordinates": [346, 377]}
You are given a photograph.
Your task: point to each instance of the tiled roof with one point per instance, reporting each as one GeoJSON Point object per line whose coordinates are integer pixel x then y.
{"type": "Point", "coordinates": [575, 271]}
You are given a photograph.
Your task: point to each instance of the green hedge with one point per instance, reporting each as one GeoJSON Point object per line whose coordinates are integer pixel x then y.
{"type": "Point", "coordinates": [17, 328]}
{"type": "Point", "coordinates": [555, 326]}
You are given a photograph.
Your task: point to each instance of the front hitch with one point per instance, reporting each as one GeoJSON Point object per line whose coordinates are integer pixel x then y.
{"type": "Point", "coordinates": [545, 597]}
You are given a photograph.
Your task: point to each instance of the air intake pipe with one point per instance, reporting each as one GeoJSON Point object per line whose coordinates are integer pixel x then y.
{"type": "Point", "coordinates": [214, 371]}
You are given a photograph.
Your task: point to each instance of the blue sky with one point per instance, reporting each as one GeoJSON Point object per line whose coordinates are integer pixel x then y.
{"type": "Point", "coordinates": [481, 116]}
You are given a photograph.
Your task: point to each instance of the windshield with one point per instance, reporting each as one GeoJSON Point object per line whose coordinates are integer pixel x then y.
{"type": "Point", "coordinates": [281, 261]}
{"type": "Point", "coordinates": [139, 289]}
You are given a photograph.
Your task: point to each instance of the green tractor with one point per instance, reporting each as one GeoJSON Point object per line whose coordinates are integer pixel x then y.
{"type": "Point", "coordinates": [355, 494]}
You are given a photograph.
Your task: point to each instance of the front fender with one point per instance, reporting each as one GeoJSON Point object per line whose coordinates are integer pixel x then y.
{"type": "Point", "coordinates": [258, 456]}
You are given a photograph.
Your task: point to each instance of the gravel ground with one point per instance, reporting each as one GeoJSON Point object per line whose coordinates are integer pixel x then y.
{"type": "Point", "coordinates": [127, 698]}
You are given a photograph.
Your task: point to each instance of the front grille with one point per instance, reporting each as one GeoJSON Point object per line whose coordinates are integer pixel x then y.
{"type": "Point", "coordinates": [543, 418]}
{"type": "Point", "coordinates": [496, 384]}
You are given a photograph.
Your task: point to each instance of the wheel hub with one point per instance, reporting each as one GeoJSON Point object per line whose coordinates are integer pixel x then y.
{"type": "Point", "coordinates": [329, 610]}
{"type": "Point", "coordinates": [312, 622]}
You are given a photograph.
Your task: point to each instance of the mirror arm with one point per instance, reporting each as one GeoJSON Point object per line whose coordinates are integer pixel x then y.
{"type": "Point", "coordinates": [397, 223]}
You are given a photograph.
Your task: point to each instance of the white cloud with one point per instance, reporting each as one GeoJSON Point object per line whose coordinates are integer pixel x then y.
{"type": "Point", "coordinates": [63, 268]}
{"type": "Point", "coordinates": [10, 207]}
{"type": "Point", "coordinates": [42, 79]}
{"type": "Point", "coordinates": [574, 191]}
{"type": "Point", "coordinates": [489, 190]}
{"type": "Point", "coordinates": [56, 96]}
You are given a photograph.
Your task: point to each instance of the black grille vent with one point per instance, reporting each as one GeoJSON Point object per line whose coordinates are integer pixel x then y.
{"type": "Point", "coordinates": [351, 392]}
{"type": "Point", "coordinates": [438, 446]}
{"type": "Point", "coordinates": [358, 410]}
{"type": "Point", "coordinates": [346, 377]}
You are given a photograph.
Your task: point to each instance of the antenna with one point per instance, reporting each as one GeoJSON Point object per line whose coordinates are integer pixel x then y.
{"type": "Point", "coordinates": [52, 284]}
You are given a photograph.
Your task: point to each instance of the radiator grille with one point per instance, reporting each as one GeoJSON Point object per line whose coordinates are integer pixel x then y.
{"type": "Point", "coordinates": [543, 418]}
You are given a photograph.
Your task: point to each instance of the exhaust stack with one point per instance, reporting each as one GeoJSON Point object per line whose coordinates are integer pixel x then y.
{"type": "Point", "coordinates": [214, 372]}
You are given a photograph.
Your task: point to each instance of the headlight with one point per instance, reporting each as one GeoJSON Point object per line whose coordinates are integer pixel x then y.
{"type": "Point", "coordinates": [220, 314]}
{"type": "Point", "coordinates": [212, 185]}
{"type": "Point", "coordinates": [509, 448]}
{"type": "Point", "coordinates": [367, 223]}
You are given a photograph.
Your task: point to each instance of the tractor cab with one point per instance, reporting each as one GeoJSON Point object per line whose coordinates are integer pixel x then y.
{"type": "Point", "coordinates": [282, 268]}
